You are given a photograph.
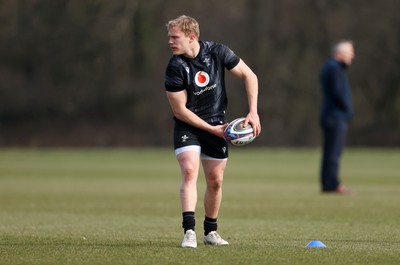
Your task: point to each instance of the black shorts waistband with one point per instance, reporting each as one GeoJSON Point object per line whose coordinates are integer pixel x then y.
{"type": "Point", "coordinates": [212, 121]}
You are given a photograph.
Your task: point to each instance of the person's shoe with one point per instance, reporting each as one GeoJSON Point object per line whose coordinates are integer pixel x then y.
{"type": "Point", "coordinates": [189, 240]}
{"type": "Point", "coordinates": [341, 190]}
{"type": "Point", "coordinates": [213, 238]}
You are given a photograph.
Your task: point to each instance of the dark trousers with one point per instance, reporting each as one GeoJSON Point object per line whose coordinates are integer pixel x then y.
{"type": "Point", "coordinates": [334, 135]}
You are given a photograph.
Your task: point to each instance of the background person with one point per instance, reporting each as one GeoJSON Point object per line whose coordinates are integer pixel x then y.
{"type": "Point", "coordinates": [336, 112]}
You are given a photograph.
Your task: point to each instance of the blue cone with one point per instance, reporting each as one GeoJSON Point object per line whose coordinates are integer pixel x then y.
{"type": "Point", "coordinates": [315, 244]}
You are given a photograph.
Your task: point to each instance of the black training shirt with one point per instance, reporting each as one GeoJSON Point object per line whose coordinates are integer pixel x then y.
{"type": "Point", "coordinates": [204, 79]}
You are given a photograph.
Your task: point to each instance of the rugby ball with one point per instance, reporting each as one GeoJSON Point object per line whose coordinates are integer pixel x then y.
{"type": "Point", "coordinates": [238, 135]}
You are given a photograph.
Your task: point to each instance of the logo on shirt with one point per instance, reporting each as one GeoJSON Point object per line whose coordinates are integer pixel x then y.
{"type": "Point", "coordinates": [201, 79]}
{"type": "Point", "coordinates": [206, 60]}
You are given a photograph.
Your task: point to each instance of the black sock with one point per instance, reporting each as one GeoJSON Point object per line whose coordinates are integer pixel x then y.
{"type": "Point", "coordinates": [210, 224]}
{"type": "Point", "coordinates": [188, 221]}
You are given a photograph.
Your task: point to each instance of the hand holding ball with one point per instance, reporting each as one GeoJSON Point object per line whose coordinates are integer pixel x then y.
{"type": "Point", "coordinates": [238, 135]}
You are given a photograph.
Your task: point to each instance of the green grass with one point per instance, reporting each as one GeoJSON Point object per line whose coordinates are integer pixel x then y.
{"type": "Point", "coordinates": [121, 206]}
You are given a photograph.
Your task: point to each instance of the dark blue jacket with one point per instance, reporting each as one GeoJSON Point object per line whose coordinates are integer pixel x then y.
{"type": "Point", "coordinates": [336, 91]}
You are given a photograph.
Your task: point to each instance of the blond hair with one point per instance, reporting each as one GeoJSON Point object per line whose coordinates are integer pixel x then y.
{"type": "Point", "coordinates": [186, 24]}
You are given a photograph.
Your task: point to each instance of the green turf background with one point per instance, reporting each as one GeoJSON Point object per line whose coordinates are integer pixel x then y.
{"type": "Point", "coordinates": [121, 206]}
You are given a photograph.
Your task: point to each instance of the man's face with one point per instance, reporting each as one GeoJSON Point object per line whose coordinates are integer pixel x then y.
{"type": "Point", "coordinates": [178, 42]}
{"type": "Point", "coordinates": [346, 54]}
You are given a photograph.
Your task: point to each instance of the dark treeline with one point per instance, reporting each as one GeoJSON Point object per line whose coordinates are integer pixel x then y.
{"type": "Point", "coordinates": [91, 73]}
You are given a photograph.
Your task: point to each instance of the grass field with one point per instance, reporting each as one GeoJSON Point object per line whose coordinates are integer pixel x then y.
{"type": "Point", "coordinates": [121, 206]}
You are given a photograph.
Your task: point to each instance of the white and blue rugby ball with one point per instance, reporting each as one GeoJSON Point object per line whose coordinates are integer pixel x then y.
{"type": "Point", "coordinates": [238, 135]}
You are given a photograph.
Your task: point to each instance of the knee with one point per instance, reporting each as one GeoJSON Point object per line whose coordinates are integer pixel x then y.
{"type": "Point", "coordinates": [189, 173]}
{"type": "Point", "coordinates": [214, 182]}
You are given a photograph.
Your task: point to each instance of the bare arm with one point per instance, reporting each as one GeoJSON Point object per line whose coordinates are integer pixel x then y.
{"type": "Point", "coordinates": [178, 100]}
{"type": "Point", "coordinates": [250, 80]}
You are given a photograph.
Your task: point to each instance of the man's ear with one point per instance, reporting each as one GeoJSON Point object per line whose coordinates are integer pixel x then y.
{"type": "Point", "coordinates": [192, 37]}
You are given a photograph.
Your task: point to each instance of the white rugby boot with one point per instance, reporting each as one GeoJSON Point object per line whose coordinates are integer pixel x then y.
{"type": "Point", "coordinates": [213, 238]}
{"type": "Point", "coordinates": [189, 240]}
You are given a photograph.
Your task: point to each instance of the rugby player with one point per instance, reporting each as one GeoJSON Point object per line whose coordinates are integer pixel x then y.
{"type": "Point", "coordinates": [195, 88]}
